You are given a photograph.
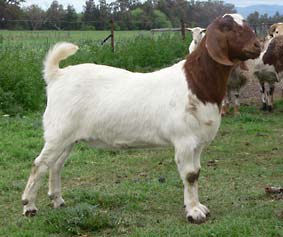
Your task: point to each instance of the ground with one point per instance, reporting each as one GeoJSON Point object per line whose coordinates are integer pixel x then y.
{"type": "Point", "coordinates": [139, 193]}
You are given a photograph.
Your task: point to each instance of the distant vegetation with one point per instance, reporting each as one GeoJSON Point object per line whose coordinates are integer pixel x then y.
{"type": "Point", "coordinates": [22, 88]}
{"type": "Point", "coordinates": [127, 14]}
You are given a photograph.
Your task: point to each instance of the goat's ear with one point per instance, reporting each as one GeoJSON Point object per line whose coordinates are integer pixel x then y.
{"type": "Point", "coordinates": [203, 31]}
{"type": "Point", "coordinates": [189, 29]}
{"type": "Point", "coordinates": [216, 44]}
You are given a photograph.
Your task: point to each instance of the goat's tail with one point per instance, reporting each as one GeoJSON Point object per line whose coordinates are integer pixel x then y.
{"type": "Point", "coordinates": [57, 53]}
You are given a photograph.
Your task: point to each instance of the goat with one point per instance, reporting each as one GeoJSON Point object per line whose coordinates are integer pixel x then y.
{"type": "Point", "coordinates": [269, 69]}
{"type": "Point", "coordinates": [113, 108]}
{"type": "Point", "coordinates": [197, 34]}
{"type": "Point", "coordinates": [266, 74]}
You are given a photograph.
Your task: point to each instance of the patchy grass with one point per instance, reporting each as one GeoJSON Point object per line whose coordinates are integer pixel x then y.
{"type": "Point", "coordinates": [139, 193]}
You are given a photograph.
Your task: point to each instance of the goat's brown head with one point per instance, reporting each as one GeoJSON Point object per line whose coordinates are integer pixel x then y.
{"type": "Point", "coordinates": [229, 40]}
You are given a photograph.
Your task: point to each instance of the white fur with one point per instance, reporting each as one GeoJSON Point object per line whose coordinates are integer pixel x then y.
{"type": "Point", "coordinates": [239, 19]}
{"type": "Point", "coordinates": [197, 34]}
{"type": "Point", "coordinates": [113, 108]}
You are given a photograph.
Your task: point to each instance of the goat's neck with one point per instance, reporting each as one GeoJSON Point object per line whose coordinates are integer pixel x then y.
{"type": "Point", "coordinates": [206, 78]}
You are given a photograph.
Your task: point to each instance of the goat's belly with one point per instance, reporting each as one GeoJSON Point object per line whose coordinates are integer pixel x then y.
{"type": "Point", "coordinates": [125, 144]}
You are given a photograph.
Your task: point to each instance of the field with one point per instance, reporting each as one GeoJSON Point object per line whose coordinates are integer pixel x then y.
{"type": "Point", "coordinates": [49, 37]}
{"type": "Point", "coordinates": [137, 192]}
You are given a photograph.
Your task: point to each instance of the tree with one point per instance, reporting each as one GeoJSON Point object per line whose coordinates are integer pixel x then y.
{"type": "Point", "coordinates": [103, 16]}
{"type": "Point", "coordinates": [253, 18]}
{"type": "Point", "coordinates": [35, 15]}
{"type": "Point", "coordinates": [10, 11]}
{"type": "Point", "coordinates": [160, 20]}
{"type": "Point", "coordinates": [70, 19]}
{"type": "Point", "coordinates": [55, 15]}
{"type": "Point", "coordinates": [90, 14]}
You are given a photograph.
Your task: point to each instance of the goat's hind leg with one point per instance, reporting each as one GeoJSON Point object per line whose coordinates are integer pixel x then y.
{"type": "Point", "coordinates": [54, 192]}
{"type": "Point", "coordinates": [46, 159]}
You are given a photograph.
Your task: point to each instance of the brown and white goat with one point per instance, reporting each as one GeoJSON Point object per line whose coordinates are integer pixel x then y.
{"type": "Point", "coordinates": [266, 75]}
{"type": "Point", "coordinates": [110, 107]}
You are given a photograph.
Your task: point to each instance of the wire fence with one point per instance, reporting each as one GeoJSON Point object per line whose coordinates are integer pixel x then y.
{"type": "Point", "coordinates": [10, 38]}
{"type": "Point", "coordinates": [48, 37]}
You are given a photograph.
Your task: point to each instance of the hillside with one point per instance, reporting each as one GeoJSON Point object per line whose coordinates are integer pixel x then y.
{"type": "Point", "coordinates": [262, 9]}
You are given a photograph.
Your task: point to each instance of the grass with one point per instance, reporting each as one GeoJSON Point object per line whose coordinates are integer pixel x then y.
{"type": "Point", "coordinates": [139, 193]}
{"type": "Point", "coordinates": [29, 38]}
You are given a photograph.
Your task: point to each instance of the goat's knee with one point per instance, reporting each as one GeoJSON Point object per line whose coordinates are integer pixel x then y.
{"type": "Point", "coordinates": [192, 177]}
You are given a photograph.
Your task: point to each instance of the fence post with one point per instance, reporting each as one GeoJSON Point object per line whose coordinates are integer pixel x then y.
{"type": "Point", "coordinates": [183, 29]}
{"type": "Point", "coordinates": [112, 34]}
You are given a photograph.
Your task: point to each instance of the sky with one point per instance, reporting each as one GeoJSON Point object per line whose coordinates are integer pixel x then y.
{"type": "Point", "coordinates": [78, 4]}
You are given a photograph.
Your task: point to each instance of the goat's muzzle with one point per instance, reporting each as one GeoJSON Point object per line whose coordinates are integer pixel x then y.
{"type": "Point", "coordinates": [253, 50]}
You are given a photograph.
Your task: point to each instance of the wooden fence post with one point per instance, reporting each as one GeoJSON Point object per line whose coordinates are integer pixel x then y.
{"type": "Point", "coordinates": [183, 29]}
{"type": "Point", "coordinates": [112, 34]}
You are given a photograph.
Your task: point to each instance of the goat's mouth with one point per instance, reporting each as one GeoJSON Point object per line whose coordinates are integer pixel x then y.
{"type": "Point", "coordinates": [252, 54]}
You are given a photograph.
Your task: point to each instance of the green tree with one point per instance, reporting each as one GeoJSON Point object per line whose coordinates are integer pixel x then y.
{"type": "Point", "coordinates": [160, 20]}
{"type": "Point", "coordinates": [55, 15]}
{"type": "Point", "coordinates": [90, 14]}
{"type": "Point", "coordinates": [70, 19]}
{"type": "Point", "coordinates": [10, 11]}
{"type": "Point", "coordinates": [35, 15]}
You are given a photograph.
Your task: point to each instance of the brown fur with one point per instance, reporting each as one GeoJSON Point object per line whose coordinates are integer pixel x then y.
{"type": "Point", "coordinates": [207, 83]}
{"type": "Point", "coordinates": [226, 44]}
{"type": "Point", "coordinates": [274, 54]}
{"type": "Point", "coordinates": [193, 177]}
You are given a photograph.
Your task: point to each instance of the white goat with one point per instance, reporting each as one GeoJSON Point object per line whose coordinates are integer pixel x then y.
{"type": "Point", "coordinates": [114, 108]}
{"type": "Point", "coordinates": [237, 80]}
{"type": "Point", "coordinates": [276, 29]}
{"type": "Point", "coordinates": [197, 34]}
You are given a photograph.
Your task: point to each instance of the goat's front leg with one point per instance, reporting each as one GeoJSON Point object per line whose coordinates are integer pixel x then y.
{"type": "Point", "coordinates": [187, 158]}
{"type": "Point", "coordinates": [236, 102]}
{"type": "Point", "coordinates": [263, 96]}
{"type": "Point", "coordinates": [270, 93]}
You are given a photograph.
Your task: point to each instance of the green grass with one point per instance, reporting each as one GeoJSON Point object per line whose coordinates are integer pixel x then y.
{"type": "Point", "coordinates": [30, 38]}
{"type": "Point", "coordinates": [119, 193]}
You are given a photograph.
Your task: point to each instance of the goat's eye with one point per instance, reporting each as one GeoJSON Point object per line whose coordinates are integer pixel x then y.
{"type": "Point", "coordinates": [277, 32]}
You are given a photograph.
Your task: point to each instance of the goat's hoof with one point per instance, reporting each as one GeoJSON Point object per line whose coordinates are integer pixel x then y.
{"type": "Point", "coordinates": [196, 221]}
{"type": "Point", "coordinates": [59, 203]}
{"type": "Point", "coordinates": [30, 212]}
{"type": "Point", "coordinates": [198, 214]}
{"type": "Point", "coordinates": [263, 107]}
{"type": "Point", "coordinates": [269, 108]}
